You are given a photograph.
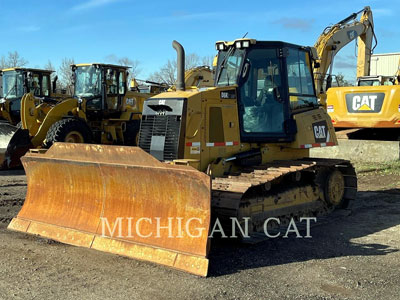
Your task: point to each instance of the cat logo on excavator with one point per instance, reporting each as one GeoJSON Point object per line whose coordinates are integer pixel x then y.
{"type": "Point", "coordinates": [364, 102]}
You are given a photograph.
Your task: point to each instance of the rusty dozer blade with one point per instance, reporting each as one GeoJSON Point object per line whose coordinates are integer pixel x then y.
{"type": "Point", "coordinates": [119, 200]}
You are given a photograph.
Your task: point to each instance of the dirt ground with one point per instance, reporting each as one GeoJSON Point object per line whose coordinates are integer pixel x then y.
{"type": "Point", "coordinates": [353, 255]}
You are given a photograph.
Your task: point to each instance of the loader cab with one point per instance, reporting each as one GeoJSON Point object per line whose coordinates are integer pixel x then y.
{"type": "Point", "coordinates": [18, 81]}
{"type": "Point", "coordinates": [273, 81]}
{"type": "Point", "coordinates": [101, 87]}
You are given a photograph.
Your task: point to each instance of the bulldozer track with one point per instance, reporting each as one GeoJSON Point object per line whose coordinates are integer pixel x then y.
{"type": "Point", "coordinates": [232, 193]}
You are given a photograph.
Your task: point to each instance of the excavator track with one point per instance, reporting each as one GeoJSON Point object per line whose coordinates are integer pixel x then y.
{"type": "Point", "coordinates": [284, 190]}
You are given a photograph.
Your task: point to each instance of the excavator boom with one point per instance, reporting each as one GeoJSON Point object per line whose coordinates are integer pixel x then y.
{"type": "Point", "coordinates": [335, 37]}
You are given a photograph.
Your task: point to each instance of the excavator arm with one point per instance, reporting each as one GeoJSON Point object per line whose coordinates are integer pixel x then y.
{"type": "Point", "coordinates": [335, 37]}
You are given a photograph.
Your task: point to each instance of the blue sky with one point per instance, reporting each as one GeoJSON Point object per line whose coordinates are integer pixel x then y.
{"type": "Point", "coordinates": [91, 30]}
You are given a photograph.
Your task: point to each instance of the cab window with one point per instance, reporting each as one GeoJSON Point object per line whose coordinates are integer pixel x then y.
{"type": "Point", "coordinates": [46, 85]}
{"type": "Point", "coordinates": [35, 85]}
{"type": "Point", "coordinates": [122, 83]}
{"type": "Point", "coordinates": [112, 82]}
{"type": "Point", "coordinates": [300, 80]}
{"type": "Point", "coordinates": [263, 110]}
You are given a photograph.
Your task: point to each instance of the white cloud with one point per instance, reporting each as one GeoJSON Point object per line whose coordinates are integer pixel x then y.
{"type": "Point", "coordinates": [295, 23]}
{"type": "Point", "coordinates": [383, 12]}
{"type": "Point", "coordinates": [91, 4]}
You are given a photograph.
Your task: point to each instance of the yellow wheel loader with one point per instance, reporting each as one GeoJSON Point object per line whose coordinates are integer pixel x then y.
{"type": "Point", "coordinates": [15, 83]}
{"type": "Point", "coordinates": [235, 153]}
{"type": "Point", "coordinates": [102, 110]}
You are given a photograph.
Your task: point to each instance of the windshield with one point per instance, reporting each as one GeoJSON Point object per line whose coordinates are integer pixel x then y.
{"type": "Point", "coordinates": [87, 81]}
{"type": "Point", "coordinates": [372, 82]}
{"type": "Point", "coordinates": [13, 84]}
{"type": "Point", "coordinates": [229, 67]}
{"type": "Point", "coordinates": [300, 80]}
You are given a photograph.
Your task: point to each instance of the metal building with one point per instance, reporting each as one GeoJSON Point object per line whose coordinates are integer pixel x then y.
{"type": "Point", "coordinates": [385, 64]}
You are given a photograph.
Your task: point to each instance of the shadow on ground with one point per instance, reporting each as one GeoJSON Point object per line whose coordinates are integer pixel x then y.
{"type": "Point", "coordinates": [12, 172]}
{"type": "Point", "coordinates": [372, 212]}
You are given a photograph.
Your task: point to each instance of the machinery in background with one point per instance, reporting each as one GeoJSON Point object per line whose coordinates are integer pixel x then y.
{"type": "Point", "coordinates": [15, 83]}
{"type": "Point", "coordinates": [102, 110]}
{"type": "Point", "coordinates": [235, 151]}
{"type": "Point", "coordinates": [370, 110]}
{"type": "Point", "coordinates": [334, 38]}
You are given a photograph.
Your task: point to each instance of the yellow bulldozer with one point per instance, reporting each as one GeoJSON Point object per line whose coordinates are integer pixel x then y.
{"type": "Point", "coordinates": [235, 152]}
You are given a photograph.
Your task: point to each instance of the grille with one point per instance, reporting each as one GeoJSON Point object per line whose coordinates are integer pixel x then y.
{"type": "Point", "coordinates": [168, 126]}
{"type": "Point", "coordinates": [317, 117]}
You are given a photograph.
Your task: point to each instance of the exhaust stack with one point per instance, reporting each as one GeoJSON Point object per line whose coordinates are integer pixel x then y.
{"type": "Point", "coordinates": [180, 80]}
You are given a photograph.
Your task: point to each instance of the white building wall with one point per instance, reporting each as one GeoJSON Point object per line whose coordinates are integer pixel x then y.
{"type": "Point", "coordinates": [385, 64]}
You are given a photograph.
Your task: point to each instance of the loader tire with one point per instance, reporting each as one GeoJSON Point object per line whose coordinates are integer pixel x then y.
{"type": "Point", "coordinates": [68, 131]}
{"type": "Point", "coordinates": [131, 134]}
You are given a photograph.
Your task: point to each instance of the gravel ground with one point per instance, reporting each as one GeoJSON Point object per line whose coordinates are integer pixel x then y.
{"type": "Point", "coordinates": [351, 255]}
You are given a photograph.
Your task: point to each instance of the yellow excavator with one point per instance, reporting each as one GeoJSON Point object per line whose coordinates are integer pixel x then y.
{"type": "Point", "coordinates": [334, 38]}
{"type": "Point", "coordinates": [370, 110]}
{"type": "Point", "coordinates": [235, 152]}
{"type": "Point", "coordinates": [15, 83]}
{"type": "Point", "coordinates": [366, 112]}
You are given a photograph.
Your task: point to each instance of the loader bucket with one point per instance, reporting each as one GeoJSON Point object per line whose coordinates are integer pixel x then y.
{"type": "Point", "coordinates": [120, 200]}
{"type": "Point", "coordinates": [18, 144]}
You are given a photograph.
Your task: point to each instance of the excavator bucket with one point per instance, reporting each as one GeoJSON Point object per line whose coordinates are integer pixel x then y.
{"type": "Point", "coordinates": [120, 200]}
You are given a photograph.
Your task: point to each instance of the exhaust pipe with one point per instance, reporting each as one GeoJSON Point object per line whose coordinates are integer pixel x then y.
{"type": "Point", "coordinates": [180, 80]}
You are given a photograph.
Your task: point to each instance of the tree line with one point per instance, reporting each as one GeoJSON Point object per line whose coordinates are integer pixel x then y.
{"type": "Point", "coordinates": [165, 74]}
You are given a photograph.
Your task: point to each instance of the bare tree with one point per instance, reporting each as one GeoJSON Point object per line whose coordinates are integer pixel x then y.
{"type": "Point", "coordinates": [3, 62]}
{"type": "Point", "coordinates": [167, 73]}
{"type": "Point", "coordinates": [192, 60]}
{"type": "Point", "coordinates": [134, 69]}
{"type": "Point", "coordinates": [208, 60]}
{"type": "Point", "coordinates": [13, 60]}
{"type": "Point", "coordinates": [133, 64]}
{"type": "Point", "coordinates": [341, 81]}
{"type": "Point", "coordinates": [65, 73]}
{"type": "Point", "coordinates": [49, 66]}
